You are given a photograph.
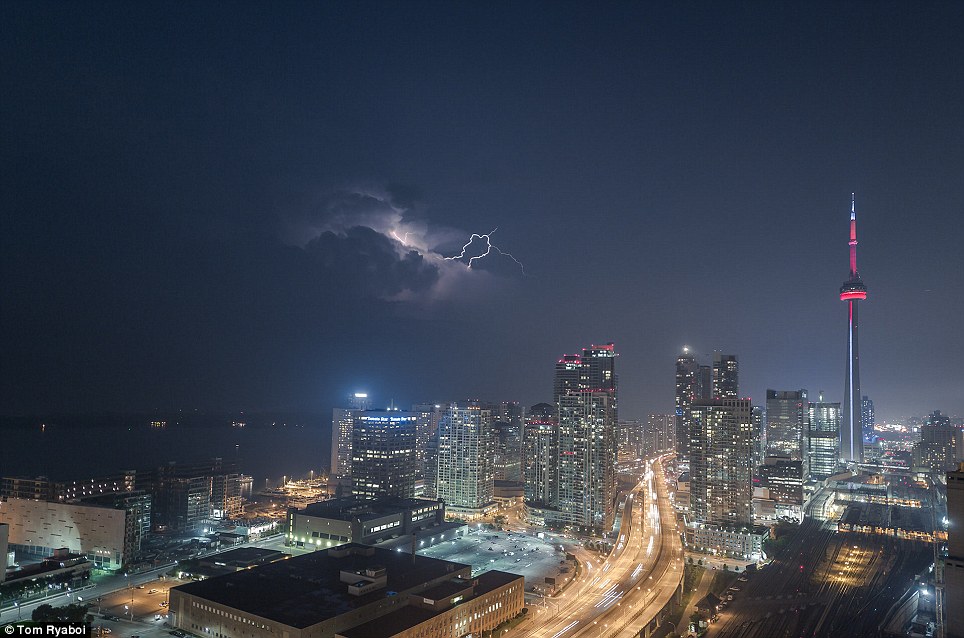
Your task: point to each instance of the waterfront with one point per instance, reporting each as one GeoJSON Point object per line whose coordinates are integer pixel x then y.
{"type": "Point", "coordinates": [83, 447]}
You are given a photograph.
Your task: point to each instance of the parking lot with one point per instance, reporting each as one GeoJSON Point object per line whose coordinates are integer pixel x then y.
{"type": "Point", "coordinates": [145, 603]}
{"type": "Point", "coordinates": [518, 553]}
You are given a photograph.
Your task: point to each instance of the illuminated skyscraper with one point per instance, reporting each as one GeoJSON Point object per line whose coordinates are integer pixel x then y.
{"type": "Point", "coordinates": [687, 391]}
{"type": "Point", "coordinates": [540, 440]}
{"type": "Point", "coordinates": [587, 459]}
{"type": "Point", "coordinates": [659, 435]}
{"type": "Point", "coordinates": [823, 442]}
{"type": "Point", "coordinates": [427, 416]}
{"type": "Point", "coordinates": [759, 417]}
{"type": "Point", "coordinates": [585, 402]}
{"type": "Point", "coordinates": [787, 415]}
{"type": "Point", "coordinates": [726, 377]}
{"type": "Point", "coordinates": [852, 291]}
{"type": "Point", "coordinates": [342, 420]}
{"type": "Point", "coordinates": [507, 435]}
{"type": "Point", "coordinates": [941, 446]}
{"type": "Point", "coordinates": [867, 417]}
{"type": "Point", "coordinates": [383, 454]}
{"type": "Point", "coordinates": [466, 479]}
{"type": "Point", "coordinates": [721, 454]}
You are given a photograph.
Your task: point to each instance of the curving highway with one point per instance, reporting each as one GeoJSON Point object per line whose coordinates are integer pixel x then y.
{"type": "Point", "coordinates": [633, 584]}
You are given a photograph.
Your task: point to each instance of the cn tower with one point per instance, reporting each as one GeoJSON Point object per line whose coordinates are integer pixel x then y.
{"type": "Point", "coordinates": [852, 291]}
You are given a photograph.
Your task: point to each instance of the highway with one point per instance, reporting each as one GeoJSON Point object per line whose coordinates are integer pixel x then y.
{"type": "Point", "coordinates": [624, 592]}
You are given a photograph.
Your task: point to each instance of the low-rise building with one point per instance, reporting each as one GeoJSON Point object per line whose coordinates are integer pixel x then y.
{"type": "Point", "coordinates": [357, 520]}
{"type": "Point", "coordinates": [783, 477]}
{"type": "Point", "coordinates": [738, 541]}
{"type": "Point", "coordinates": [38, 528]}
{"type": "Point", "coordinates": [350, 591]}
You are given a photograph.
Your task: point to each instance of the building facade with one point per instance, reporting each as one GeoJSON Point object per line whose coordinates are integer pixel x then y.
{"type": "Point", "coordinates": [941, 446]}
{"type": "Point", "coordinates": [659, 435]}
{"type": "Point", "coordinates": [586, 459]}
{"type": "Point", "coordinates": [586, 453]}
{"type": "Point", "coordinates": [788, 414]}
{"type": "Point", "coordinates": [726, 376]}
{"type": "Point", "coordinates": [466, 478]}
{"type": "Point", "coordinates": [342, 422]}
{"type": "Point", "coordinates": [38, 528]}
{"type": "Point", "coordinates": [538, 457]}
{"type": "Point", "coordinates": [687, 391]}
{"type": "Point", "coordinates": [721, 455]}
{"type": "Point", "coordinates": [383, 459]}
{"type": "Point", "coordinates": [357, 520]}
{"type": "Point", "coordinates": [427, 416]}
{"type": "Point", "coordinates": [783, 477]}
{"type": "Point", "coordinates": [824, 440]}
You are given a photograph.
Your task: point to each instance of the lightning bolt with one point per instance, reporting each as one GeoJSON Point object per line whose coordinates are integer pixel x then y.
{"type": "Point", "coordinates": [401, 240]}
{"type": "Point", "coordinates": [489, 247]}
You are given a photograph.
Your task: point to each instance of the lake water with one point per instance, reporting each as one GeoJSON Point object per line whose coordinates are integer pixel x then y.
{"type": "Point", "coordinates": [84, 447]}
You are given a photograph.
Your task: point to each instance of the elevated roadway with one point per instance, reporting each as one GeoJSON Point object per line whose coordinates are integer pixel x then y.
{"type": "Point", "coordinates": [634, 584]}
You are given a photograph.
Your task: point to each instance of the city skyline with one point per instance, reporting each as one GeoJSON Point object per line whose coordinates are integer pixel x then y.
{"type": "Point", "coordinates": [240, 225]}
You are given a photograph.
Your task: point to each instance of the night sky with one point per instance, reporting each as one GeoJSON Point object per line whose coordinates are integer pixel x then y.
{"type": "Point", "coordinates": [198, 200]}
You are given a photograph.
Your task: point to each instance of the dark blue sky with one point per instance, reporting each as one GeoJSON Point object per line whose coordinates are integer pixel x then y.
{"type": "Point", "coordinates": [197, 200]}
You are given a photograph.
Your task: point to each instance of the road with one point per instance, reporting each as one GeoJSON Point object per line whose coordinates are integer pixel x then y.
{"type": "Point", "coordinates": [629, 587]}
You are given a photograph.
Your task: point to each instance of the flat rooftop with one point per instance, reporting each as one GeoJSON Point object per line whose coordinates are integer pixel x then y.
{"type": "Point", "coordinates": [409, 616]}
{"type": "Point", "coordinates": [352, 508]}
{"type": "Point", "coordinates": [243, 556]}
{"type": "Point", "coordinates": [306, 590]}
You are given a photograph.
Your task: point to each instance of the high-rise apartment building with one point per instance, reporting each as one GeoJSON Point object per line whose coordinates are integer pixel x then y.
{"type": "Point", "coordinates": [587, 435]}
{"type": "Point", "coordinates": [466, 478]}
{"type": "Point", "coordinates": [630, 443]}
{"type": "Point", "coordinates": [688, 390]}
{"type": "Point", "coordinates": [788, 413]}
{"type": "Point", "coordinates": [941, 446]}
{"type": "Point", "coordinates": [659, 435]}
{"type": "Point", "coordinates": [852, 291]}
{"type": "Point", "coordinates": [704, 382]}
{"type": "Point", "coordinates": [587, 459]}
{"type": "Point", "coordinates": [823, 442]}
{"type": "Point", "coordinates": [721, 455]}
{"type": "Point", "coordinates": [427, 416]}
{"type": "Point", "coordinates": [507, 430]}
{"type": "Point", "coordinates": [539, 445]}
{"type": "Point", "coordinates": [726, 376]}
{"type": "Point", "coordinates": [759, 416]}
{"type": "Point", "coordinates": [342, 421]}
{"type": "Point", "coordinates": [383, 459]}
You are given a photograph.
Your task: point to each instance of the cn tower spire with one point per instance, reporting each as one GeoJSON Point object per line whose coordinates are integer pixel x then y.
{"type": "Point", "coordinates": [853, 235]}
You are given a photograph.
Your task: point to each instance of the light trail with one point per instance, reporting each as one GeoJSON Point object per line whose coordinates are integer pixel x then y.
{"type": "Point", "coordinates": [565, 629]}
